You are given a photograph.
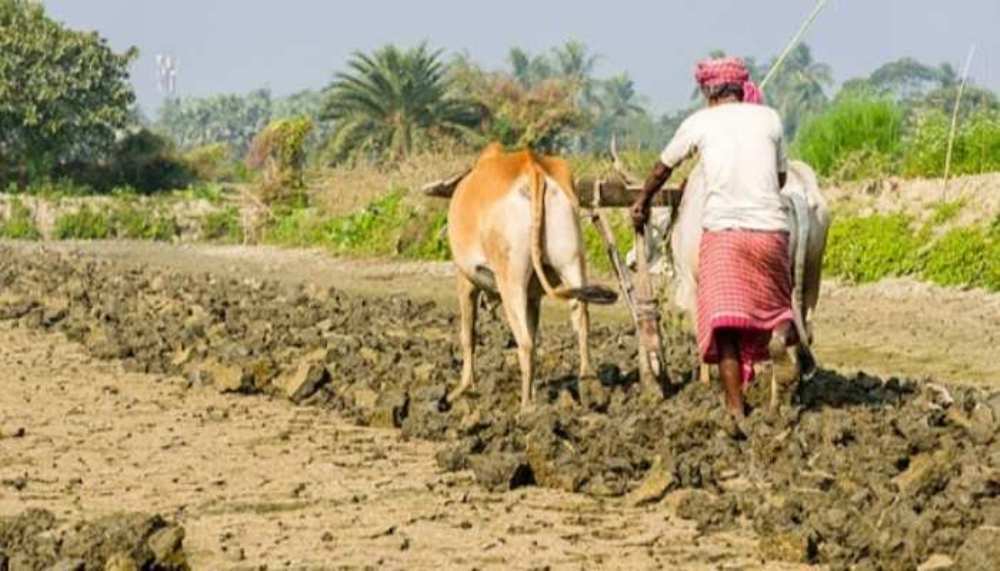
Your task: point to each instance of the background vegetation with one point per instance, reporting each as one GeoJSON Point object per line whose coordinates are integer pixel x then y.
{"type": "Point", "coordinates": [336, 166]}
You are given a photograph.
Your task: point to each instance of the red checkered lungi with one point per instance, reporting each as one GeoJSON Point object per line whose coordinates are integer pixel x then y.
{"type": "Point", "coordinates": [744, 283]}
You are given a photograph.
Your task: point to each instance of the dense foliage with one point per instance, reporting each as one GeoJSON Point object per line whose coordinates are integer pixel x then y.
{"type": "Point", "coordinates": [64, 94]}
{"type": "Point", "coordinates": [230, 119]}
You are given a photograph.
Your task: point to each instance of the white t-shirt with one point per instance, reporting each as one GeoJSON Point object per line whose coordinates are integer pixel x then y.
{"type": "Point", "coordinates": [742, 151]}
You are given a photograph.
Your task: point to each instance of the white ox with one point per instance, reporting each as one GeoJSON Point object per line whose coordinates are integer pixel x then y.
{"type": "Point", "coordinates": [805, 201]}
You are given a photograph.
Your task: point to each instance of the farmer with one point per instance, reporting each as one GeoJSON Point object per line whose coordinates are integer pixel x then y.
{"type": "Point", "coordinates": [744, 281]}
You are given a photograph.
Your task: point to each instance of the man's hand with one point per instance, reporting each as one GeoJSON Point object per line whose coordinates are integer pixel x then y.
{"type": "Point", "coordinates": [655, 181]}
{"type": "Point", "coordinates": [640, 212]}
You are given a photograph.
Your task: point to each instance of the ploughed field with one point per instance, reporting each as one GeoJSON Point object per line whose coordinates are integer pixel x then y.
{"type": "Point", "coordinates": [853, 471]}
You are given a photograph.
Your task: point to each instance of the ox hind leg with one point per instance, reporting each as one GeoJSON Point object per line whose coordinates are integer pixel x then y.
{"type": "Point", "coordinates": [572, 276]}
{"type": "Point", "coordinates": [522, 310]}
{"type": "Point", "coordinates": [468, 303]}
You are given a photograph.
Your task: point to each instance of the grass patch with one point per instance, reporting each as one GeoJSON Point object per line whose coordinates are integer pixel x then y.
{"type": "Point", "coordinates": [222, 226]}
{"type": "Point", "coordinates": [870, 248]}
{"type": "Point", "coordinates": [966, 257]}
{"type": "Point", "coordinates": [85, 224]}
{"type": "Point", "coordinates": [129, 220]}
{"type": "Point", "coordinates": [854, 137]}
{"type": "Point", "coordinates": [945, 211]}
{"type": "Point", "coordinates": [297, 227]}
{"type": "Point", "coordinates": [867, 249]}
{"type": "Point", "coordinates": [19, 223]}
{"type": "Point", "coordinates": [209, 192]}
{"type": "Point", "coordinates": [426, 238]}
{"type": "Point", "coordinates": [372, 230]}
{"type": "Point", "coordinates": [139, 223]}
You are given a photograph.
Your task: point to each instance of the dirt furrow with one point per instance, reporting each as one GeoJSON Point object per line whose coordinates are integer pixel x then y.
{"type": "Point", "coordinates": [855, 471]}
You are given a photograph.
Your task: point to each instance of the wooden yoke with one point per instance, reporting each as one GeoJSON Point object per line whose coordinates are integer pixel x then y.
{"type": "Point", "coordinates": [592, 193]}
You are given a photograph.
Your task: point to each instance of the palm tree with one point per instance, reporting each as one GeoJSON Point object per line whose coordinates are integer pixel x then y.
{"type": "Point", "coordinates": [617, 98]}
{"type": "Point", "coordinates": [528, 70]}
{"type": "Point", "coordinates": [574, 61]}
{"type": "Point", "coordinates": [798, 88]}
{"type": "Point", "coordinates": [617, 109]}
{"type": "Point", "coordinates": [394, 102]}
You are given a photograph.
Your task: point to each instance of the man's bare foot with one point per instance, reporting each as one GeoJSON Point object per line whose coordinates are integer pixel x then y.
{"type": "Point", "coordinates": [735, 424]}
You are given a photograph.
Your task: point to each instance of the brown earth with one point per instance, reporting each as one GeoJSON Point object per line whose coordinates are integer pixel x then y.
{"type": "Point", "coordinates": [255, 481]}
{"type": "Point", "coordinates": [854, 471]}
{"type": "Point", "coordinates": [896, 327]}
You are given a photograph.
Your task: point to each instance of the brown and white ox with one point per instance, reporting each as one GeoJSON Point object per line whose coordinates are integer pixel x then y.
{"type": "Point", "coordinates": [514, 230]}
{"type": "Point", "coordinates": [807, 243]}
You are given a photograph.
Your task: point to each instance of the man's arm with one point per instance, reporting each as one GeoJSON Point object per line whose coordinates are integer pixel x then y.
{"type": "Point", "coordinates": [654, 182]}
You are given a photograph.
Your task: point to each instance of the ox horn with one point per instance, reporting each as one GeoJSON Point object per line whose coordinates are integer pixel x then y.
{"type": "Point", "coordinates": [618, 165]}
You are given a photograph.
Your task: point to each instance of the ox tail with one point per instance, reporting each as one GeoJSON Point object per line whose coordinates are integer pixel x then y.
{"type": "Point", "coordinates": [589, 294]}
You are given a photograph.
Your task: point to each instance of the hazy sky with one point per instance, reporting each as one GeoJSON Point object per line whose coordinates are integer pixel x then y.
{"type": "Point", "coordinates": [288, 45]}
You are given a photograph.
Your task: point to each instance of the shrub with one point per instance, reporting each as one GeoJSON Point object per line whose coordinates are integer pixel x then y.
{"type": "Point", "coordinates": [223, 225]}
{"type": "Point", "coordinates": [370, 231]}
{"type": "Point", "coordinates": [128, 220]}
{"type": "Point", "coordinates": [20, 223]}
{"type": "Point", "coordinates": [279, 153]}
{"type": "Point", "coordinates": [209, 192]}
{"type": "Point", "coordinates": [84, 224]}
{"type": "Point", "coordinates": [870, 248]}
{"type": "Point", "coordinates": [976, 148]}
{"type": "Point", "coordinates": [965, 256]}
{"type": "Point", "coordinates": [211, 163]}
{"type": "Point", "coordinates": [297, 227]}
{"type": "Point", "coordinates": [137, 223]}
{"type": "Point", "coordinates": [146, 162]}
{"type": "Point", "coordinates": [859, 129]}
{"type": "Point", "coordinates": [425, 238]}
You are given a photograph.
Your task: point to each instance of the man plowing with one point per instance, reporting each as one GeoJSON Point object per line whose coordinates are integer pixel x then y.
{"type": "Point", "coordinates": [744, 279]}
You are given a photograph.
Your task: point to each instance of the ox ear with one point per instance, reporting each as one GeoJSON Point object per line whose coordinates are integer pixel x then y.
{"type": "Point", "coordinates": [444, 188]}
{"type": "Point", "coordinates": [618, 165]}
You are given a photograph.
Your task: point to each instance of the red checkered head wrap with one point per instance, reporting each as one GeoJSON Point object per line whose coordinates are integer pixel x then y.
{"type": "Point", "coordinates": [728, 70]}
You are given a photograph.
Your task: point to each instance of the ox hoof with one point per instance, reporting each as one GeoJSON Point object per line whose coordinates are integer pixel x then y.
{"type": "Point", "coordinates": [457, 394]}
{"type": "Point", "coordinates": [526, 411]}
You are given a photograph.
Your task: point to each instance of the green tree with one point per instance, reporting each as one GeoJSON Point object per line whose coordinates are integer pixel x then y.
{"type": "Point", "coordinates": [906, 79]}
{"type": "Point", "coordinates": [394, 102]}
{"type": "Point", "coordinates": [64, 94]}
{"type": "Point", "coordinates": [232, 119]}
{"type": "Point", "coordinates": [798, 88]}
{"type": "Point", "coordinates": [974, 99]}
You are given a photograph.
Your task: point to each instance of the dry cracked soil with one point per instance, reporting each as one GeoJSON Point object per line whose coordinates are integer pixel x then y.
{"type": "Point", "coordinates": [148, 420]}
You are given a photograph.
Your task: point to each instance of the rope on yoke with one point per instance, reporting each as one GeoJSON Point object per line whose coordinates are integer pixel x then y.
{"type": "Point", "coordinates": [595, 200]}
{"type": "Point", "coordinates": [646, 309]}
